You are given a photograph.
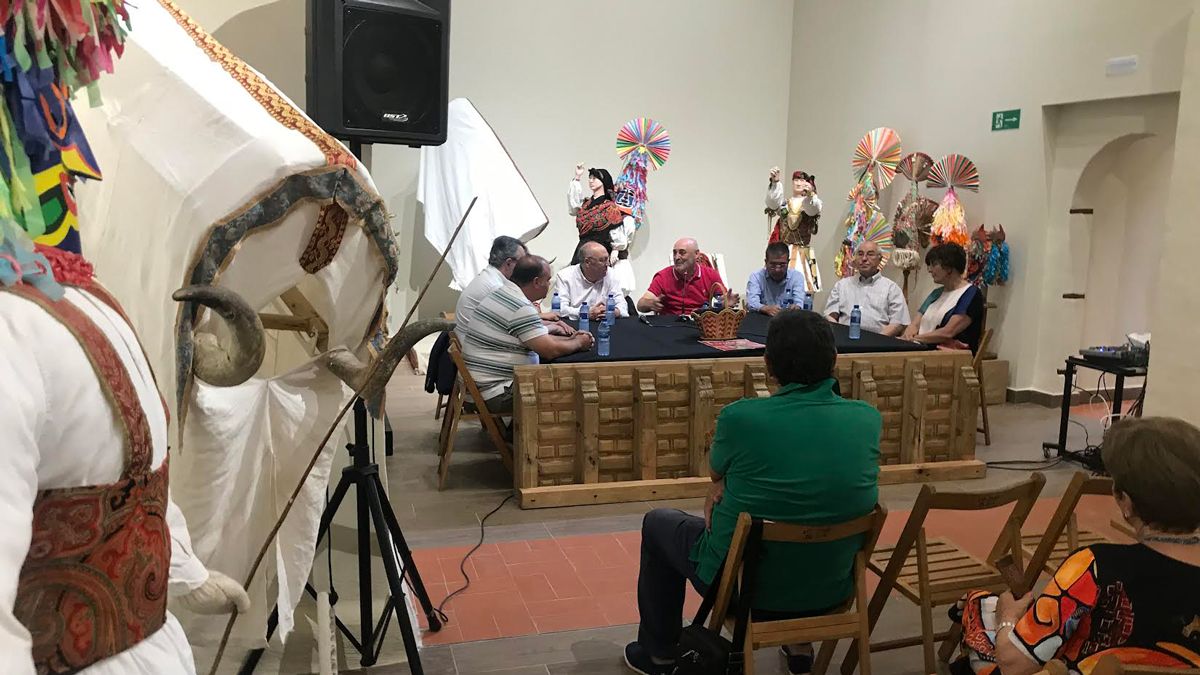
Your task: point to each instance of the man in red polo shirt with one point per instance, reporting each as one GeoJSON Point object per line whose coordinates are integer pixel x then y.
{"type": "Point", "coordinates": [683, 287]}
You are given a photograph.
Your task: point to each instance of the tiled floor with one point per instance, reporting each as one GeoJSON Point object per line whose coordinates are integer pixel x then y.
{"type": "Point", "coordinates": [509, 624]}
{"type": "Point", "coordinates": [590, 581]}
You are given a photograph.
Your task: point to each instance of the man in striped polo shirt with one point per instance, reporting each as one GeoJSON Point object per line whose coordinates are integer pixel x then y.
{"type": "Point", "coordinates": [506, 330]}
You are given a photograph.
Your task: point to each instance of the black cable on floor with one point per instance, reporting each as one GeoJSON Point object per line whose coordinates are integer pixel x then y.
{"type": "Point", "coordinates": [462, 566]}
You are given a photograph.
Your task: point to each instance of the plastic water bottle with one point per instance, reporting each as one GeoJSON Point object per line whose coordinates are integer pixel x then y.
{"type": "Point", "coordinates": [855, 323]}
{"type": "Point", "coordinates": [610, 311]}
{"type": "Point", "coordinates": [790, 299]}
{"type": "Point", "coordinates": [584, 320]}
{"type": "Point", "coordinates": [602, 337]}
{"type": "Point", "coordinates": [555, 303]}
{"type": "Point", "coordinates": [808, 301]}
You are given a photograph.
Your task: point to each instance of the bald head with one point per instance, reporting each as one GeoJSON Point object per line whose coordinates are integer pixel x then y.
{"type": "Point", "coordinates": [867, 259]}
{"type": "Point", "coordinates": [684, 256]}
{"type": "Point", "coordinates": [593, 261]}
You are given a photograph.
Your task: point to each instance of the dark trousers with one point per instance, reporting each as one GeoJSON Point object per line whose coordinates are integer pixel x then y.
{"type": "Point", "coordinates": [667, 539]}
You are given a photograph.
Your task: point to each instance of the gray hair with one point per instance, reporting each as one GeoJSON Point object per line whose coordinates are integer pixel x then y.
{"type": "Point", "coordinates": [504, 248]}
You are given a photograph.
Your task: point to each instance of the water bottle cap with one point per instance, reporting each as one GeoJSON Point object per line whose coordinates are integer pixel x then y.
{"type": "Point", "coordinates": [856, 307]}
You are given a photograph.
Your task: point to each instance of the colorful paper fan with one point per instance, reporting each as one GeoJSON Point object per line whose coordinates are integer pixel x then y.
{"type": "Point", "coordinates": [879, 231]}
{"type": "Point", "coordinates": [954, 171]}
{"type": "Point", "coordinates": [916, 166]}
{"type": "Point", "coordinates": [878, 153]}
{"type": "Point", "coordinates": [644, 136]}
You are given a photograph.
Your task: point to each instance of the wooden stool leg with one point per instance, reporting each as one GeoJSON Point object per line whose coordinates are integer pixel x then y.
{"type": "Point", "coordinates": [987, 427]}
{"type": "Point", "coordinates": [437, 409]}
{"type": "Point", "coordinates": [946, 652]}
{"type": "Point", "coordinates": [926, 605]}
{"type": "Point", "coordinates": [453, 414]}
{"type": "Point", "coordinates": [825, 656]}
{"type": "Point", "coordinates": [748, 649]}
{"type": "Point", "coordinates": [864, 656]}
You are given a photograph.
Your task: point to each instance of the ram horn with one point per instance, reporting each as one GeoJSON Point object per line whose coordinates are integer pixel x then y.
{"type": "Point", "coordinates": [370, 385]}
{"type": "Point", "coordinates": [213, 363]}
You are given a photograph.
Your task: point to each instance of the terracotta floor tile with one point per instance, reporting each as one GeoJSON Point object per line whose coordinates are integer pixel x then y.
{"type": "Point", "coordinates": [478, 627]}
{"type": "Point", "coordinates": [535, 588]}
{"type": "Point", "coordinates": [615, 556]}
{"type": "Point", "coordinates": [567, 584]}
{"type": "Point", "coordinates": [619, 608]}
{"type": "Point", "coordinates": [591, 541]}
{"type": "Point", "coordinates": [514, 621]}
{"type": "Point", "coordinates": [584, 559]}
{"type": "Point", "coordinates": [452, 570]}
{"type": "Point", "coordinates": [518, 552]}
{"type": "Point", "coordinates": [490, 566]}
{"type": "Point", "coordinates": [579, 606]}
{"type": "Point", "coordinates": [449, 634]}
{"type": "Point", "coordinates": [601, 587]}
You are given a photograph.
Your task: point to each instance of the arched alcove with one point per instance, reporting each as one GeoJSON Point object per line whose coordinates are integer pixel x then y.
{"type": "Point", "coordinates": [1117, 245]}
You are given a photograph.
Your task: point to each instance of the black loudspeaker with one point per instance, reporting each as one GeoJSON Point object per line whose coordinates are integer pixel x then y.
{"type": "Point", "coordinates": [378, 70]}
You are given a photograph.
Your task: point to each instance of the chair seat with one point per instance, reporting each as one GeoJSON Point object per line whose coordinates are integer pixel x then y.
{"type": "Point", "coordinates": [1062, 548]}
{"type": "Point", "coordinates": [952, 572]}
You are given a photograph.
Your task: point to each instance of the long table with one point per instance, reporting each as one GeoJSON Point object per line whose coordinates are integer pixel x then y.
{"type": "Point", "coordinates": [669, 337]}
{"type": "Point", "coordinates": [636, 425]}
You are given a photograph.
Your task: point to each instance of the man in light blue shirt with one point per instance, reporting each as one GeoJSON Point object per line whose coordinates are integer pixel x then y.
{"type": "Point", "coordinates": [767, 289]}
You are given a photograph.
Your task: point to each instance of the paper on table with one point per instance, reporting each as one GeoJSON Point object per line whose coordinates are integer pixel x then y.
{"type": "Point", "coordinates": [733, 345]}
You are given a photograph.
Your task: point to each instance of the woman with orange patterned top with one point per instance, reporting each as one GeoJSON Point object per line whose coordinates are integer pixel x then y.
{"type": "Point", "coordinates": [1138, 602]}
{"type": "Point", "coordinates": [596, 216]}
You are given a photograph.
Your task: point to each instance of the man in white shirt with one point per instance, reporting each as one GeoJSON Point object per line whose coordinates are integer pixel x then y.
{"type": "Point", "coordinates": [506, 329]}
{"type": "Point", "coordinates": [589, 282]}
{"type": "Point", "coordinates": [878, 298]}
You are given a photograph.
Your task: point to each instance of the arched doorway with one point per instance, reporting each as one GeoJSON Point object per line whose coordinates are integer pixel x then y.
{"type": "Point", "coordinates": [1116, 229]}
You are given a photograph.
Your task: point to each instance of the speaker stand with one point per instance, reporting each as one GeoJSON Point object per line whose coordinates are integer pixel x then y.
{"type": "Point", "coordinates": [374, 510]}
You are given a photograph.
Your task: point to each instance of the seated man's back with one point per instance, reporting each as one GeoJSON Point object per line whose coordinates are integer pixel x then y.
{"type": "Point", "coordinates": [804, 455]}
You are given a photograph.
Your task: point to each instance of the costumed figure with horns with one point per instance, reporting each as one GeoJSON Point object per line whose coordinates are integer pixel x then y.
{"type": "Point", "coordinates": [796, 220]}
{"type": "Point", "coordinates": [94, 544]}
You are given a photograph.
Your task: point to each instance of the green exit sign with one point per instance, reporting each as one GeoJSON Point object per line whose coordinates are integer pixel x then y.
{"type": "Point", "coordinates": [1006, 119]}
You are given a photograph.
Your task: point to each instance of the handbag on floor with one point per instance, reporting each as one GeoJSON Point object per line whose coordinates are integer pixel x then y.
{"type": "Point", "coordinates": [702, 651]}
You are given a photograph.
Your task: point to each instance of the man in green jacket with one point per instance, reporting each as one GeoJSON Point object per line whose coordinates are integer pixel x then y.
{"type": "Point", "coordinates": [803, 455]}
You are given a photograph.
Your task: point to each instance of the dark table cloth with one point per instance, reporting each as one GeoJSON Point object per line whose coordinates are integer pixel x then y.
{"type": "Point", "coordinates": [669, 338]}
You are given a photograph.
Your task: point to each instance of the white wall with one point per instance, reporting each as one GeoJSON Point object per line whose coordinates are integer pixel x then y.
{"type": "Point", "coordinates": [744, 86]}
{"type": "Point", "coordinates": [935, 71]}
{"type": "Point", "coordinates": [557, 80]}
{"type": "Point", "coordinates": [1172, 385]}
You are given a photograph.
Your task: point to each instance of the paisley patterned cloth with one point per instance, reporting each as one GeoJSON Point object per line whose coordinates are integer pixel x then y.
{"type": "Point", "coordinates": [94, 582]}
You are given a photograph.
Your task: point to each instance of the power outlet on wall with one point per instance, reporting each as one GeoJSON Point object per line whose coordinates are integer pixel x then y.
{"type": "Point", "coordinates": [1121, 65]}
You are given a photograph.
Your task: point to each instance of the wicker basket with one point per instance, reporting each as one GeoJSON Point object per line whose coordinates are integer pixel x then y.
{"type": "Point", "coordinates": [719, 325]}
{"type": "Point", "coordinates": [722, 325]}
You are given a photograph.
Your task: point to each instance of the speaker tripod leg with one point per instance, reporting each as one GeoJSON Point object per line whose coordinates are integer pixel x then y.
{"type": "Point", "coordinates": [409, 566]}
{"type": "Point", "coordinates": [374, 490]}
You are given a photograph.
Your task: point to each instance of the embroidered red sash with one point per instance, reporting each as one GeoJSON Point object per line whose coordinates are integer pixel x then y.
{"type": "Point", "coordinates": [94, 582]}
{"type": "Point", "coordinates": [600, 217]}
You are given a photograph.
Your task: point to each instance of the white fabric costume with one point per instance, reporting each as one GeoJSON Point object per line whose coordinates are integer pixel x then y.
{"type": "Point", "coordinates": [215, 177]}
{"type": "Point", "coordinates": [59, 431]}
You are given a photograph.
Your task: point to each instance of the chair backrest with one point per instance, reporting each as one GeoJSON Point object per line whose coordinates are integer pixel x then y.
{"type": "Point", "coordinates": [1064, 517]}
{"type": "Point", "coordinates": [465, 375]}
{"type": "Point", "coordinates": [715, 260]}
{"type": "Point", "coordinates": [1021, 495]}
{"type": "Point", "coordinates": [870, 525]}
{"type": "Point", "coordinates": [1110, 665]}
{"type": "Point", "coordinates": [979, 351]}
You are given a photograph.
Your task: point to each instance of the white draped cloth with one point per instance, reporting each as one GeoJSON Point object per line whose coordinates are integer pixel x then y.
{"type": "Point", "coordinates": [193, 142]}
{"type": "Point", "coordinates": [473, 163]}
{"type": "Point", "coordinates": [58, 430]}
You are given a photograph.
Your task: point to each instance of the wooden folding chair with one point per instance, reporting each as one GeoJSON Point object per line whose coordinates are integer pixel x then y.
{"type": "Point", "coordinates": [1110, 665]}
{"type": "Point", "coordinates": [986, 429]}
{"type": "Point", "coordinates": [1049, 549]}
{"type": "Point", "coordinates": [464, 385]}
{"type": "Point", "coordinates": [942, 572]}
{"type": "Point", "coordinates": [826, 629]}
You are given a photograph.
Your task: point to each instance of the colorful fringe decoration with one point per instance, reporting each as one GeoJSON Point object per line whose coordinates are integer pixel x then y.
{"type": "Point", "coordinates": [48, 50]}
{"type": "Point", "coordinates": [644, 144]}
{"type": "Point", "coordinates": [950, 222]}
{"type": "Point", "coordinates": [864, 222]}
{"type": "Point", "coordinates": [996, 271]}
